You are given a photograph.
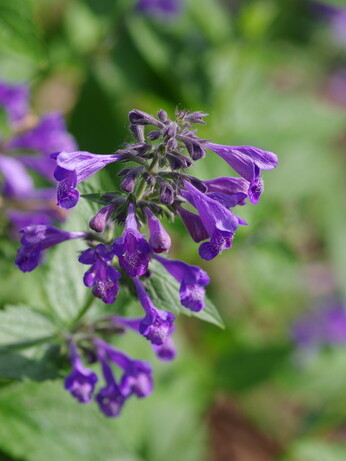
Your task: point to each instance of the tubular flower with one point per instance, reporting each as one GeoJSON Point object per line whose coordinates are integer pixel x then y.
{"type": "Point", "coordinates": [81, 381]}
{"type": "Point", "coordinates": [75, 167]}
{"type": "Point", "coordinates": [219, 222]}
{"type": "Point", "coordinates": [101, 275]}
{"type": "Point", "coordinates": [192, 280]}
{"type": "Point", "coordinates": [157, 325]}
{"type": "Point", "coordinates": [38, 238]}
{"type": "Point", "coordinates": [132, 249]}
{"type": "Point", "coordinates": [248, 162]}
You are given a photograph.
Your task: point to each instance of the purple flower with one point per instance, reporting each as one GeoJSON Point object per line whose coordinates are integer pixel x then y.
{"type": "Point", "coordinates": [159, 240]}
{"type": "Point", "coordinates": [137, 377]}
{"type": "Point", "coordinates": [110, 398]}
{"type": "Point", "coordinates": [324, 326]}
{"type": "Point", "coordinates": [228, 191]}
{"type": "Point", "coordinates": [81, 381]}
{"type": "Point", "coordinates": [99, 221]}
{"type": "Point", "coordinates": [248, 162]}
{"type": "Point", "coordinates": [14, 98]}
{"type": "Point", "coordinates": [101, 276]}
{"type": "Point", "coordinates": [164, 8]}
{"type": "Point", "coordinates": [48, 136]}
{"type": "Point", "coordinates": [219, 222]}
{"type": "Point", "coordinates": [73, 168]}
{"type": "Point", "coordinates": [192, 281]}
{"type": "Point", "coordinates": [17, 182]}
{"type": "Point", "coordinates": [193, 224]}
{"type": "Point", "coordinates": [157, 325]}
{"type": "Point", "coordinates": [132, 249]}
{"type": "Point", "coordinates": [165, 351]}
{"type": "Point", "coordinates": [38, 238]}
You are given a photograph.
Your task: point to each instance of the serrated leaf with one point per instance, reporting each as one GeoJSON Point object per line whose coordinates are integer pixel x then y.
{"type": "Point", "coordinates": [97, 198]}
{"type": "Point", "coordinates": [164, 291]}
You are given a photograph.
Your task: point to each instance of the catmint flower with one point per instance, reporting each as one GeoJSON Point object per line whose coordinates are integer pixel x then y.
{"type": "Point", "coordinates": [159, 8]}
{"type": "Point", "coordinates": [130, 176]}
{"type": "Point", "coordinates": [228, 191]}
{"type": "Point", "coordinates": [137, 377]}
{"type": "Point", "coordinates": [165, 351]}
{"type": "Point", "coordinates": [73, 168]}
{"type": "Point", "coordinates": [248, 162]}
{"type": "Point", "coordinates": [37, 238]}
{"type": "Point", "coordinates": [219, 222]}
{"type": "Point", "coordinates": [132, 249]}
{"type": "Point", "coordinates": [101, 276]}
{"type": "Point", "coordinates": [99, 221]}
{"type": "Point", "coordinates": [159, 239]}
{"type": "Point", "coordinates": [81, 381]}
{"type": "Point", "coordinates": [48, 136]}
{"type": "Point", "coordinates": [193, 224]}
{"type": "Point", "coordinates": [17, 182]}
{"type": "Point", "coordinates": [138, 117]}
{"type": "Point", "coordinates": [325, 325]}
{"type": "Point", "coordinates": [192, 281]}
{"type": "Point", "coordinates": [14, 99]}
{"type": "Point", "coordinates": [157, 325]}
{"type": "Point", "coordinates": [110, 398]}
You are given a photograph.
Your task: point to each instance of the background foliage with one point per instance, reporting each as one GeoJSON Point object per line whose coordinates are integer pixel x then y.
{"type": "Point", "coordinates": [262, 70]}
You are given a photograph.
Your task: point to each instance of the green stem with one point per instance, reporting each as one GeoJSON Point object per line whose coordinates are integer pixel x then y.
{"type": "Point", "coordinates": [87, 305]}
{"type": "Point", "coordinates": [142, 184]}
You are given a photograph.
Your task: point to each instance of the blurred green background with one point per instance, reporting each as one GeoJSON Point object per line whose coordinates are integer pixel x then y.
{"type": "Point", "coordinates": [263, 70]}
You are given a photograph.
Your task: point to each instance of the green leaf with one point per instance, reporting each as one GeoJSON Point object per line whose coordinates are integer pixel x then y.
{"type": "Point", "coordinates": [314, 449]}
{"type": "Point", "coordinates": [164, 291]}
{"type": "Point", "coordinates": [22, 327]}
{"type": "Point", "coordinates": [37, 363]}
{"type": "Point", "coordinates": [18, 32]}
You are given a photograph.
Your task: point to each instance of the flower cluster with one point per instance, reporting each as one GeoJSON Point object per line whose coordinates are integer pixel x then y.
{"type": "Point", "coordinates": [28, 149]}
{"type": "Point", "coordinates": [154, 183]}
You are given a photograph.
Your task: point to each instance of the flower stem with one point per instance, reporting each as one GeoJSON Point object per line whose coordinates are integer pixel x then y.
{"type": "Point", "coordinates": [87, 305]}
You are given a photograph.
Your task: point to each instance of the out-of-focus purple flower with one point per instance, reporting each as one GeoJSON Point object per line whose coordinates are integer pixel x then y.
{"type": "Point", "coordinates": [248, 162]}
{"type": "Point", "coordinates": [81, 381]}
{"type": "Point", "coordinates": [137, 377]}
{"type": "Point", "coordinates": [336, 15]}
{"type": "Point", "coordinates": [159, 240]}
{"type": "Point", "coordinates": [336, 87]}
{"type": "Point", "coordinates": [163, 8]}
{"type": "Point", "coordinates": [17, 182]}
{"type": "Point", "coordinates": [73, 168]}
{"type": "Point", "coordinates": [38, 238]}
{"type": "Point", "coordinates": [157, 325]}
{"type": "Point", "coordinates": [166, 351]}
{"type": "Point", "coordinates": [324, 326]}
{"type": "Point", "coordinates": [48, 136]}
{"type": "Point", "coordinates": [219, 222]}
{"type": "Point", "coordinates": [15, 100]}
{"type": "Point", "coordinates": [131, 248]}
{"type": "Point", "coordinates": [101, 276]}
{"type": "Point", "coordinates": [110, 398]}
{"type": "Point", "coordinates": [192, 281]}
